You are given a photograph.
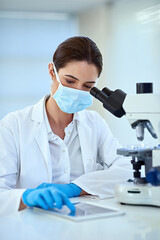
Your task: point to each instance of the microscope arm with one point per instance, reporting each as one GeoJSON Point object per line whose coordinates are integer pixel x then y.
{"type": "Point", "coordinates": [143, 111]}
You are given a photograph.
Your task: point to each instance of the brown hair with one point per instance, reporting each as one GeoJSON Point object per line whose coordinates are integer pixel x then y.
{"type": "Point", "coordinates": [79, 49]}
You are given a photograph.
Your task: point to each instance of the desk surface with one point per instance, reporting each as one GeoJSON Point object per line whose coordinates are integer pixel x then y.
{"type": "Point", "coordinates": [139, 223]}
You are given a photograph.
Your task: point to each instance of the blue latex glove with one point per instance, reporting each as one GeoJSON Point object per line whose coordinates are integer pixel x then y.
{"type": "Point", "coordinates": [153, 176]}
{"type": "Point", "coordinates": [49, 197]}
{"type": "Point", "coordinates": [71, 189]}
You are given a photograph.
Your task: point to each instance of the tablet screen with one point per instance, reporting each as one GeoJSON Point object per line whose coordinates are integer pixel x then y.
{"type": "Point", "coordinates": [85, 211]}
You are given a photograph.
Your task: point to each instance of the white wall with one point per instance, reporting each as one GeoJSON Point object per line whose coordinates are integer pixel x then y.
{"type": "Point", "coordinates": [27, 44]}
{"type": "Point", "coordinates": [128, 33]}
{"type": "Point", "coordinates": [95, 24]}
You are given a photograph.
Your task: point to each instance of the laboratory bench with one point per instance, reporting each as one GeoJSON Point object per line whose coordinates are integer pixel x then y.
{"type": "Point", "coordinates": [138, 223]}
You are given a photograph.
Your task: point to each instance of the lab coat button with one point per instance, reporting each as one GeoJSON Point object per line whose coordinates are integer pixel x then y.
{"type": "Point", "coordinates": [66, 171]}
{"type": "Point", "coordinates": [64, 150]}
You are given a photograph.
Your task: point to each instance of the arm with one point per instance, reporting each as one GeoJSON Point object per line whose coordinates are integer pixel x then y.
{"type": "Point", "coordinates": [115, 168]}
{"type": "Point", "coordinates": [84, 193]}
{"type": "Point", "coordinates": [9, 197]}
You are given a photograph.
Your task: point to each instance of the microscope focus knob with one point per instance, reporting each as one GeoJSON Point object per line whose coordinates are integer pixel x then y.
{"type": "Point", "coordinates": [144, 87]}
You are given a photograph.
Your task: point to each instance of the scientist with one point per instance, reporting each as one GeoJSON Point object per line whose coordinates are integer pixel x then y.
{"type": "Point", "coordinates": [56, 149]}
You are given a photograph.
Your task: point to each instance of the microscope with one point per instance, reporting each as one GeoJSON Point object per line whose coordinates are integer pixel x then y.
{"type": "Point", "coordinates": [143, 112]}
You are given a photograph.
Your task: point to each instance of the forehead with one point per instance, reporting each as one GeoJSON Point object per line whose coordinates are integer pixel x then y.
{"type": "Point", "coordinates": [81, 70]}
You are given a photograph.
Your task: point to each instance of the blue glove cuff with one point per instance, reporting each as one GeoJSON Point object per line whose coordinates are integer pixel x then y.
{"type": "Point", "coordinates": [76, 191]}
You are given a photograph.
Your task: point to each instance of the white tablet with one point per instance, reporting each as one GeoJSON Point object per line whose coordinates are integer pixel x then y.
{"type": "Point", "coordinates": [84, 211]}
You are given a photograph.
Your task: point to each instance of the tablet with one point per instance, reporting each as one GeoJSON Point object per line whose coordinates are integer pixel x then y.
{"type": "Point", "coordinates": [84, 211]}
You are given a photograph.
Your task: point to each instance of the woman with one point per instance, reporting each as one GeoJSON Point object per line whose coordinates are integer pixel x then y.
{"type": "Point", "coordinates": [55, 149]}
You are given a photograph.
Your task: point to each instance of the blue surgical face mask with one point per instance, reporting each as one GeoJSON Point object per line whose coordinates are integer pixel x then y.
{"type": "Point", "coordinates": [71, 100]}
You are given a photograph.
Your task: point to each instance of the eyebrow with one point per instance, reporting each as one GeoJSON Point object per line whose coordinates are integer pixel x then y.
{"type": "Point", "coordinates": [77, 78]}
{"type": "Point", "coordinates": [72, 77]}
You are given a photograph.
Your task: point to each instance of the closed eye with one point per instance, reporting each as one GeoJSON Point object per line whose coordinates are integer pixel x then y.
{"type": "Point", "coordinates": [88, 87]}
{"type": "Point", "coordinates": [70, 81]}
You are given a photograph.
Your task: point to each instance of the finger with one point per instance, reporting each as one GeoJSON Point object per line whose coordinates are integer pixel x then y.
{"type": "Point", "coordinates": [48, 199]}
{"type": "Point", "coordinates": [67, 202]}
{"type": "Point", "coordinates": [57, 199]}
{"type": "Point", "coordinates": [40, 202]}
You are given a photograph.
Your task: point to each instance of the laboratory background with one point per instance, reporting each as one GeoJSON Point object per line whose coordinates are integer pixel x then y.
{"type": "Point", "coordinates": [126, 31]}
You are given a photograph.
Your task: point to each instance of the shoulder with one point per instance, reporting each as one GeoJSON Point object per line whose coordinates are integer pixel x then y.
{"type": "Point", "coordinates": [12, 117]}
{"type": "Point", "coordinates": [93, 116]}
{"type": "Point", "coordinates": [97, 122]}
{"type": "Point", "coordinates": [15, 118]}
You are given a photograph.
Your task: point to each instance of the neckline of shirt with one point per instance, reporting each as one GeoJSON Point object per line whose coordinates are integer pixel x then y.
{"type": "Point", "coordinates": [76, 117]}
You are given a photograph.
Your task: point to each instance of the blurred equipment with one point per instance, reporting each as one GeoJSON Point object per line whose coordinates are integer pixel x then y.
{"type": "Point", "coordinates": [143, 112]}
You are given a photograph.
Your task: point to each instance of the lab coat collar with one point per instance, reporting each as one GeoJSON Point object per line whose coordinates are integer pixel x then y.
{"type": "Point", "coordinates": [79, 116]}
{"type": "Point", "coordinates": [37, 113]}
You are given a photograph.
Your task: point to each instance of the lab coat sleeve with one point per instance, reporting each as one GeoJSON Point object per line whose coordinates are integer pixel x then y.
{"type": "Point", "coordinates": [116, 169]}
{"type": "Point", "coordinates": [9, 196]}
{"type": "Point", "coordinates": [102, 183]}
{"type": "Point", "coordinates": [10, 200]}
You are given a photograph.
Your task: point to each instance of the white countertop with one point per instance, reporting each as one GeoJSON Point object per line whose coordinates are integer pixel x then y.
{"type": "Point", "coordinates": [138, 223]}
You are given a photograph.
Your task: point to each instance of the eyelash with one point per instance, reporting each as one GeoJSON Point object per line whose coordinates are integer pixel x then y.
{"type": "Point", "coordinates": [87, 87]}
{"type": "Point", "coordinates": [70, 82]}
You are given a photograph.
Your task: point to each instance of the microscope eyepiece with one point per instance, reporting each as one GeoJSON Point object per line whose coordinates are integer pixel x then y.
{"type": "Point", "coordinates": [112, 101]}
{"type": "Point", "coordinates": [95, 92]}
{"type": "Point", "coordinates": [107, 91]}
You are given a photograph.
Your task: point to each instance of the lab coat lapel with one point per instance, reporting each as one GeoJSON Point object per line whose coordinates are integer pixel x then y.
{"type": "Point", "coordinates": [85, 133]}
{"type": "Point", "coordinates": [42, 141]}
{"type": "Point", "coordinates": [41, 135]}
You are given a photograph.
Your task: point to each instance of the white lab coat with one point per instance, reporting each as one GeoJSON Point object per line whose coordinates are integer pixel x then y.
{"type": "Point", "coordinates": [25, 158]}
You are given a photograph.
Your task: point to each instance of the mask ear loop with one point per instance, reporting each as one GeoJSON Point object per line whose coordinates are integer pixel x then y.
{"type": "Point", "coordinates": [55, 71]}
{"type": "Point", "coordinates": [57, 77]}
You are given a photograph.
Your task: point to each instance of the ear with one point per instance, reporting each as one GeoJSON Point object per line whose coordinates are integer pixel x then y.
{"type": "Point", "coordinates": [50, 70]}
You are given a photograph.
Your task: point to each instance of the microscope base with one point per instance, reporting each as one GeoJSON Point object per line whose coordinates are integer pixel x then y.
{"type": "Point", "coordinates": [138, 194]}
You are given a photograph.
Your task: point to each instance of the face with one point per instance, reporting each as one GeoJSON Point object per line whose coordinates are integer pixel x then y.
{"type": "Point", "coordinates": [78, 75]}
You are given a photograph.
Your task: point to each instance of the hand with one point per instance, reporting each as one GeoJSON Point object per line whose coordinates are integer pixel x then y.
{"type": "Point", "coordinates": [71, 189]}
{"type": "Point", "coordinates": [47, 197]}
